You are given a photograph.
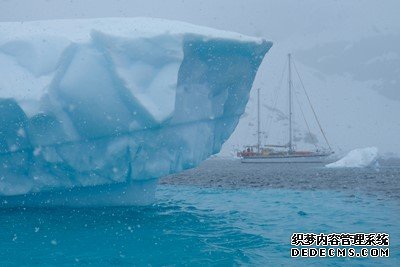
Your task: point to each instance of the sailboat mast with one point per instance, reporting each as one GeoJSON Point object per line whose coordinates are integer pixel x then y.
{"type": "Point", "coordinates": [290, 104]}
{"type": "Point", "coordinates": [258, 120]}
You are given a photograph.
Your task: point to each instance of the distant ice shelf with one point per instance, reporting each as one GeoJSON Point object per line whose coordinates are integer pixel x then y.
{"type": "Point", "coordinates": [103, 107]}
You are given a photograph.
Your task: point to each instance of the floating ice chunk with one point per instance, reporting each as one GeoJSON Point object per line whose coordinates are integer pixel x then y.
{"type": "Point", "coordinates": [357, 158]}
{"type": "Point", "coordinates": [115, 103]}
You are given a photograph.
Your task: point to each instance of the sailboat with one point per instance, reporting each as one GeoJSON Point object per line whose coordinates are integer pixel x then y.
{"type": "Point", "coordinates": [287, 153]}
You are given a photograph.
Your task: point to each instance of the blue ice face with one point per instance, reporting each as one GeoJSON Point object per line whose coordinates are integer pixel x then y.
{"type": "Point", "coordinates": [117, 109]}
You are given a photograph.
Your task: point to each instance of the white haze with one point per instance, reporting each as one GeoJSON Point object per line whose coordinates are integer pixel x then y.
{"type": "Point", "coordinates": [348, 53]}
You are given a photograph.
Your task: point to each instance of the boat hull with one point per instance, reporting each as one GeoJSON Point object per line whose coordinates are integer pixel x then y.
{"type": "Point", "coordinates": [287, 159]}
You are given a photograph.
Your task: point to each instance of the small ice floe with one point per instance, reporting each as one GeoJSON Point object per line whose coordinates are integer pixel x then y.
{"type": "Point", "coordinates": [357, 158]}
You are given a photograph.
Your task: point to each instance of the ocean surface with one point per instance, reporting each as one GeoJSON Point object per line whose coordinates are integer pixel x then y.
{"type": "Point", "coordinates": [222, 213]}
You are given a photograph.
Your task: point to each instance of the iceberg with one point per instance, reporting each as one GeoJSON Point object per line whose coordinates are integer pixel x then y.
{"type": "Point", "coordinates": [94, 111]}
{"type": "Point", "coordinates": [357, 158]}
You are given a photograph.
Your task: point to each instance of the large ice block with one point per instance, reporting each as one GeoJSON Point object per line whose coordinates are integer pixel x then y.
{"type": "Point", "coordinates": [115, 102]}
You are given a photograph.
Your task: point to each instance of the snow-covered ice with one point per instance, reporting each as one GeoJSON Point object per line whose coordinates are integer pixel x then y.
{"type": "Point", "coordinates": [116, 101]}
{"type": "Point", "coordinates": [357, 158]}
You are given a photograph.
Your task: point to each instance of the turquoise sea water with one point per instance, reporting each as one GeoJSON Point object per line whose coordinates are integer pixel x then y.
{"type": "Point", "coordinates": [192, 225]}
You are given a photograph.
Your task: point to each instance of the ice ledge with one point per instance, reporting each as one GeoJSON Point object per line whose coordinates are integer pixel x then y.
{"type": "Point", "coordinates": [93, 102]}
{"type": "Point", "coordinates": [137, 193]}
{"type": "Point", "coordinates": [79, 30]}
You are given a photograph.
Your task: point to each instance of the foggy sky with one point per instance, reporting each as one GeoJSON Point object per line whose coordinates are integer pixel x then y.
{"type": "Point", "coordinates": [351, 48]}
{"type": "Point", "coordinates": [272, 19]}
